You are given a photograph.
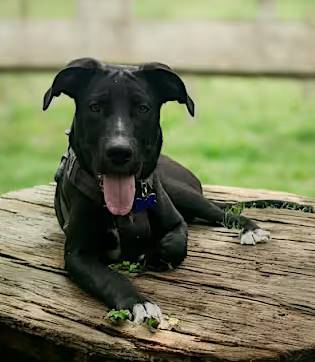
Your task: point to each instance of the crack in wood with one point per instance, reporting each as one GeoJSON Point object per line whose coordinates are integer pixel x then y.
{"type": "Point", "coordinates": [27, 202]}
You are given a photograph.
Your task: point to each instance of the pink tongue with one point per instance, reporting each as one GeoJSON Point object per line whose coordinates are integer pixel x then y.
{"type": "Point", "coordinates": [119, 193]}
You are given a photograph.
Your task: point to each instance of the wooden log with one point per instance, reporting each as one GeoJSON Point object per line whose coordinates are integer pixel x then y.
{"type": "Point", "coordinates": [233, 302]}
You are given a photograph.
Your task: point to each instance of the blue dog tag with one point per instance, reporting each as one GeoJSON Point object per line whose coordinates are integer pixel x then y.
{"type": "Point", "coordinates": [143, 203]}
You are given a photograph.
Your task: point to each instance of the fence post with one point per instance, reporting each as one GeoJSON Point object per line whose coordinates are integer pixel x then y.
{"type": "Point", "coordinates": [100, 10]}
{"type": "Point", "coordinates": [93, 15]}
{"type": "Point", "coordinates": [23, 9]}
{"type": "Point", "coordinates": [266, 10]}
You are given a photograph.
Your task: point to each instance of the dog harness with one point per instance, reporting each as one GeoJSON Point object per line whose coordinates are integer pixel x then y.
{"type": "Point", "coordinates": [69, 167]}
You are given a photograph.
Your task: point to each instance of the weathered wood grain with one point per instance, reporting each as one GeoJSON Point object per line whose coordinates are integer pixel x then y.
{"type": "Point", "coordinates": [234, 303]}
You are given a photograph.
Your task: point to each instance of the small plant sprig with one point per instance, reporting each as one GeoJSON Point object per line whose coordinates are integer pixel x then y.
{"type": "Point", "coordinates": [274, 204]}
{"type": "Point", "coordinates": [152, 324]}
{"type": "Point", "coordinates": [229, 215]}
{"type": "Point", "coordinates": [117, 316]}
{"type": "Point", "coordinates": [128, 267]}
{"type": "Point", "coordinates": [122, 315]}
{"type": "Point", "coordinates": [236, 209]}
{"type": "Point", "coordinates": [229, 221]}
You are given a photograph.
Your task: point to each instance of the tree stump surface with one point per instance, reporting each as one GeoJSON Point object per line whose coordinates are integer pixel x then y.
{"type": "Point", "coordinates": [233, 302]}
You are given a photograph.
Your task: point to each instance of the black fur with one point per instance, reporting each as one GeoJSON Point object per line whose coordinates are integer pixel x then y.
{"type": "Point", "coordinates": [119, 107]}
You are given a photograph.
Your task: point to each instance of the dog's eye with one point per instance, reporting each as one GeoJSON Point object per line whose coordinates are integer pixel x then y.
{"type": "Point", "coordinates": [95, 107]}
{"type": "Point", "coordinates": [143, 108]}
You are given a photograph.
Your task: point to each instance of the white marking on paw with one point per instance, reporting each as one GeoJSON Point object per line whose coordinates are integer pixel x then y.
{"type": "Point", "coordinates": [154, 311]}
{"type": "Point", "coordinates": [147, 310]}
{"type": "Point", "coordinates": [129, 314]}
{"type": "Point", "coordinates": [252, 237]}
{"type": "Point", "coordinates": [139, 313]}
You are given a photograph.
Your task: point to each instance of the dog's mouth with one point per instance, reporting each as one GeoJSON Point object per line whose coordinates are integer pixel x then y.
{"type": "Point", "coordinates": [119, 193]}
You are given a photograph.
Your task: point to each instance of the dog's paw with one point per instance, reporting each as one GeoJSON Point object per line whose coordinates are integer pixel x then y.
{"type": "Point", "coordinates": [147, 310]}
{"type": "Point", "coordinates": [252, 237]}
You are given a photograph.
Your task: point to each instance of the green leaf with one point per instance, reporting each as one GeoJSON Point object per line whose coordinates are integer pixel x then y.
{"type": "Point", "coordinates": [128, 267]}
{"type": "Point", "coordinates": [125, 264]}
{"type": "Point", "coordinates": [135, 268]}
{"type": "Point", "coordinates": [118, 315]}
{"type": "Point", "coordinates": [152, 323]}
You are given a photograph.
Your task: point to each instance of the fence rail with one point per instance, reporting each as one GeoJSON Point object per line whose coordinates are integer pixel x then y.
{"type": "Point", "coordinates": [107, 30]}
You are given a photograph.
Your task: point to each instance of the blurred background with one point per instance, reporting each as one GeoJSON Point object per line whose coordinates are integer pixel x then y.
{"type": "Point", "coordinates": [249, 65]}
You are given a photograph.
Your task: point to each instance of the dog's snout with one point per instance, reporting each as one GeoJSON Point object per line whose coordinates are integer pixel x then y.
{"type": "Point", "coordinates": [119, 153]}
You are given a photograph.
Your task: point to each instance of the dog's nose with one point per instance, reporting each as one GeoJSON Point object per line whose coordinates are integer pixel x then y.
{"type": "Point", "coordinates": [119, 153]}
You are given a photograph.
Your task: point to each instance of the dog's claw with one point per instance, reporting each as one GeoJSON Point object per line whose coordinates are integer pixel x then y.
{"type": "Point", "coordinates": [252, 237]}
{"type": "Point", "coordinates": [147, 310]}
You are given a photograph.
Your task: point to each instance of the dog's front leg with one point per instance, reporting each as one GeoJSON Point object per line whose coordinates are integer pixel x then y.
{"type": "Point", "coordinates": [113, 288]}
{"type": "Point", "coordinates": [171, 231]}
{"type": "Point", "coordinates": [83, 261]}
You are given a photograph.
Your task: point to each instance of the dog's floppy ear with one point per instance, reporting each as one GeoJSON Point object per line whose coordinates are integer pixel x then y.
{"type": "Point", "coordinates": [69, 79]}
{"type": "Point", "coordinates": [167, 83]}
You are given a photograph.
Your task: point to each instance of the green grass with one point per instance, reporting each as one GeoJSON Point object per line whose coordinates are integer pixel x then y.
{"type": "Point", "coordinates": [37, 9]}
{"type": "Point", "coordinates": [248, 132]}
{"type": "Point", "coordinates": [221, 9]}
{"type": "Point", "coordinates": [166, 9]}
{"type": "Point", "coordinates": [253, 133]}
{"type": "Point", "coordinates": [203, 9]}
{"type": "Point", "coordinates": [31, 141]}
{"type": "Point", "coordinates": [295, 9]}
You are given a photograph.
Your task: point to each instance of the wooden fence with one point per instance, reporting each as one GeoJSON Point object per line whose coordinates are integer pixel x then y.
{"type": "Point", "coordinates": [106, 29]}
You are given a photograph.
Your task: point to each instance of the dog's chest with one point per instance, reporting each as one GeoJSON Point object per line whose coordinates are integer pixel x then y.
{"type": "Point", "coordinates": [132, 237]}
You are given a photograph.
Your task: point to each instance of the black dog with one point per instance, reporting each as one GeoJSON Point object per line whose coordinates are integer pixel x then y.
{"type": "Point", "coordinates": [116, 197]}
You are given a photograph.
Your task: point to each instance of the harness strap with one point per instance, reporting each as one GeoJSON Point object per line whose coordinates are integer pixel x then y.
{"type": "Point", "coordinates": [82, 180]}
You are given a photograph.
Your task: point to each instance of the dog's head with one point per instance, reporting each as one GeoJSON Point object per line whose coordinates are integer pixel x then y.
{"type": "Point", "coordinates": [116, 131]}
